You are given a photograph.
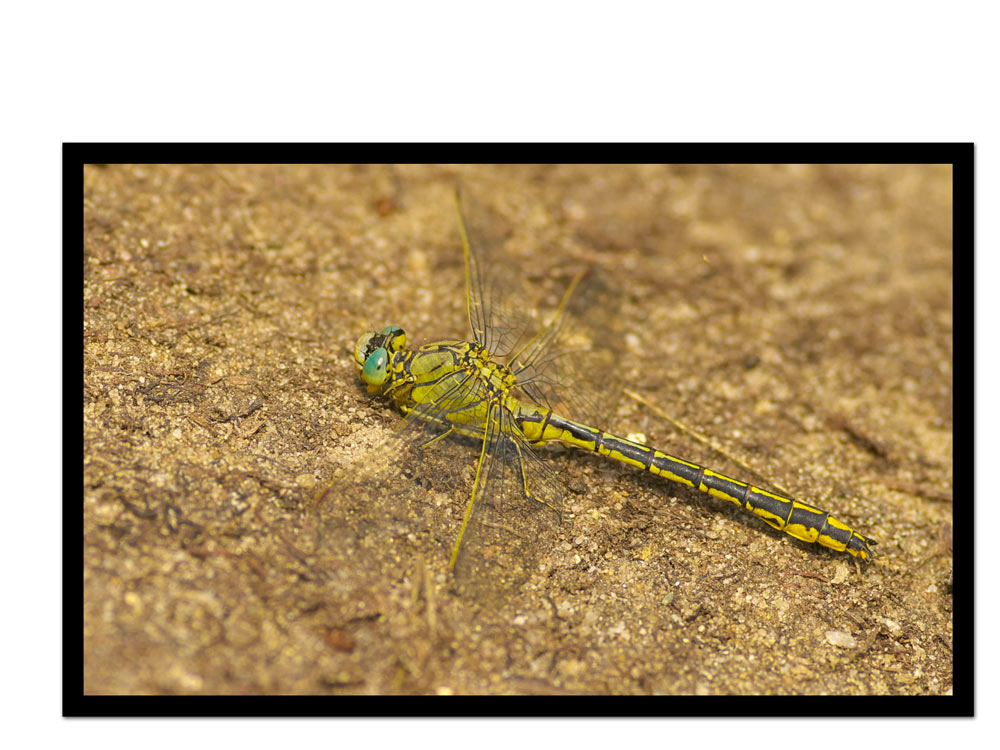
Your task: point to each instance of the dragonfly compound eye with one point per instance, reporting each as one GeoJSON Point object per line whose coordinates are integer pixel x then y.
{"type": "Point", "coordinates": [374, 372]}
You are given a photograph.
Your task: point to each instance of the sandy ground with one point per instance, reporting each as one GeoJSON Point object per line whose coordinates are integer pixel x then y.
{"type": "Point", "coordinates": [799, 316]}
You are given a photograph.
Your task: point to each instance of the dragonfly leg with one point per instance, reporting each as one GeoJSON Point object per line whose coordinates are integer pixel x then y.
{"type": "Point", "coordinates": [433, 440]}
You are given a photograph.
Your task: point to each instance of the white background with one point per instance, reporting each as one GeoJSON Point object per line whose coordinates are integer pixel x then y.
{"type": "Point", "coordinates": [444, 71]}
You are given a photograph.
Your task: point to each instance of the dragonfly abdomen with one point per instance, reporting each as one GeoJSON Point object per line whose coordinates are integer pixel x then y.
{"type": "Point", "coordinates": [800, 520]}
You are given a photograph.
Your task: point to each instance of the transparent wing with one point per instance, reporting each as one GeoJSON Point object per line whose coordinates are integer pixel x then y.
{"type": "Point", "coordinates": [495, 323]}
{"type": "Point", "coordinates": [570, 364]}
{"type": "Point", "coordinates": [516, 507]}
{"type": "Point", "coordinates": [573, 364]}
{"type": "Point", "coordinates": [384, 492]}
{"type": "Point", "coordinates": [409, 496]}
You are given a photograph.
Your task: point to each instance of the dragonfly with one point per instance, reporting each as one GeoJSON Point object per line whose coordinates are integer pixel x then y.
{"type": "Point", "coordinates": [505, 398]}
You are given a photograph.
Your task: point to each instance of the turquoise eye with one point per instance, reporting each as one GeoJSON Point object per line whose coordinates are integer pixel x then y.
{"type": "Point", "coordinates": [374, 371]}
{"type": "Point", "coordinates": [373, 353]}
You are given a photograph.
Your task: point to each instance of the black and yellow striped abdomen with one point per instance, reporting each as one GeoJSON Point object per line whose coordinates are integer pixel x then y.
{"type": "Point", "coordinates": [801, 520]}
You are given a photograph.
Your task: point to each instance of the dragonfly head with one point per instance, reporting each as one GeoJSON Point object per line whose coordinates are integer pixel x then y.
{"type": "Point", "coordinates": [373, 355]}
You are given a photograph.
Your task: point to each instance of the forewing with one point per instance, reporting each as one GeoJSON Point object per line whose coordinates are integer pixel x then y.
{"type": "Point", "coordinates": [399, 498]}
{"type": "Point", "coordinates": [495, 320]}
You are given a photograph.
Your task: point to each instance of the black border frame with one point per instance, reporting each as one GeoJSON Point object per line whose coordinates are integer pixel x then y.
{"type": "Point", "coordinates": [960, 703]}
